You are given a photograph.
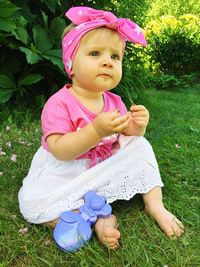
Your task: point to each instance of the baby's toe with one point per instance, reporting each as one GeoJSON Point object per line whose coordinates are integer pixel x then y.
{"type": "Point", "coordinates": [110, 240]}
{"type": "Point", "coordinates": [112, 233]}
{"type": "Point", "coordinates": [170, 233]}
{"type": "Point", "coordinates": [177, 229]}
{"type": "Point", "coordinates": [112, 244]}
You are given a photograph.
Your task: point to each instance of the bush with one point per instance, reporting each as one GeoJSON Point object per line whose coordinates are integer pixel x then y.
{"type": "Point", "coordinates": [31, 67]}
{"type": "Point", "coordinates": [173, 45]}
{"type": "Point", "coordinates": [30, 37]}
{"type": "Point", "coordinates": [157, 8]}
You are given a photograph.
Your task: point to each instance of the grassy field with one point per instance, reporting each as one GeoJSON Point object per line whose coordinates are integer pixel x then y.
{"type": "Point", "coordinates": [174, 132]}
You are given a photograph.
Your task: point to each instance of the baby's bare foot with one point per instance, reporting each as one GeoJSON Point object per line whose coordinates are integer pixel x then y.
{"type": "Point", "coordinates": [106, 231]}
{"type": "Point", "coordinates": [167, 222]}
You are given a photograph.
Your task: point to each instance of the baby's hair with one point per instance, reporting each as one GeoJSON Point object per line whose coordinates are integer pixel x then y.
{"type": "Point", "coordinates": [68, 29]}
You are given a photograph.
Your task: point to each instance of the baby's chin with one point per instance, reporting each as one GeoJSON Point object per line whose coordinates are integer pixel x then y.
{"type": "Point", "coordinates": [105, 87]}
{"type": "Point", "coordinates": [99, 86]}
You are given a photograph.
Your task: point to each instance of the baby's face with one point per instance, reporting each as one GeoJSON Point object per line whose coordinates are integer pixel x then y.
{"type": "Point", "coordinates": [97, 65]}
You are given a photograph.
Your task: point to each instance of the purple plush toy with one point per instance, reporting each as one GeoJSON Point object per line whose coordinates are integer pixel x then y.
{"type": "Point", "coordinates": [74, 229]}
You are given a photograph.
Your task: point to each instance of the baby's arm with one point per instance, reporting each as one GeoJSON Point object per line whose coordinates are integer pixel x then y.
{"type": "Point", "coordinates": [71, 145]}
{"type": "Point", "coordinates": [138, 121]}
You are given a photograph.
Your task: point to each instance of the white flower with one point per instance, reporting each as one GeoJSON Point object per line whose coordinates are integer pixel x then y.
{"type": "Point", "coordinates": [23, 231]}
{"type": "Point", "coordinates": [14, 157]}
{"type": "Point", "coordinates": [8, 144]}
{"type": "Point", "coordinates": [177, 145]}
{"type": "Point", "coordinates": [22, 142]}
{"type": "Point", "coordinates": [2, 153]}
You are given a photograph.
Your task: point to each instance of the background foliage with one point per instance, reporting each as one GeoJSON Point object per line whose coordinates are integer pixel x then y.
{"type": "Point", "coordinates": [31, 68]}
{"type": "Point", "coordinates": [174, 44]}
{"type": "Point", "coordinates": [30, 51]}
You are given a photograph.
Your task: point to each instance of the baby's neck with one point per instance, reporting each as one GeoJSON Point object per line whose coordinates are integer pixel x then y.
{"type": "Point", "coordinates": [85, 93]}
{"type": "Point", "coordinates": [93, 101]}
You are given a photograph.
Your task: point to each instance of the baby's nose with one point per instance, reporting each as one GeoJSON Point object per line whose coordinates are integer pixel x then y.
{"type": "Point", "coordinates": [107, 62]}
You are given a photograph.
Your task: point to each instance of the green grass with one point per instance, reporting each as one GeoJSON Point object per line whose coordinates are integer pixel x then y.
{"type": "Point", "coordinates": [174, 132]}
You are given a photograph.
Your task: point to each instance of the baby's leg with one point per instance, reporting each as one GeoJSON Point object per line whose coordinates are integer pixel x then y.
{"type": "Point", "coordinates": [52, 224]}
{"type": "Point", "coordinates": [167, 222]}
{"type": "Point", "coordinates": [107, 233]}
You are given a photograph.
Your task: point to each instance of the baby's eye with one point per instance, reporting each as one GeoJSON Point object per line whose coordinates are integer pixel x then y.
{"type": "Point", "coordinates": [115, 57]}
{"type": "Point", "coordinates": [94, 53]}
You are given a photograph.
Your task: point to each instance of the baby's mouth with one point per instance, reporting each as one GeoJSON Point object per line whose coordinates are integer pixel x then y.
{"type": "Point", "coordinates": [105, 75]}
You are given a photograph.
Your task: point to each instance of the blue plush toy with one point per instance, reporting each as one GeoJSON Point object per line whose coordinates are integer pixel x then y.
{"type": "Point", "coordinates": [74, 229]}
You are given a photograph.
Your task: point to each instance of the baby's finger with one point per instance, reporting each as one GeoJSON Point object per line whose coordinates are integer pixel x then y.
{"type": "Point", "coordinates": [141, 113]}
{"type": "Point", "coordinates": [122, 127]}
{"type": "Point", "coordinates": [140, 123]}
{"type": "Point", "coordinates": [114, 115]}
{"type": "Point", "coordinates": [140, 118]}
{"type": "Point", "coordinates": [118, 121]}
{"type": "Point", "coordinates": [138, 108]}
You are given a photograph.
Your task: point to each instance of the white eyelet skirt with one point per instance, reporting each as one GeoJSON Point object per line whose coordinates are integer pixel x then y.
{"type": "Point", "coordinates": [53, 186]}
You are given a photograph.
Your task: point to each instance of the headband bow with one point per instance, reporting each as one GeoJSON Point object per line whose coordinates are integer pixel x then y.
{"type": "Point", "coordinates": [88, 19]}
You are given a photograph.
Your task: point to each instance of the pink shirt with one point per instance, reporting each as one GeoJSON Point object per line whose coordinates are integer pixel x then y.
{"type": "Point", "coordinates": [64, 113]}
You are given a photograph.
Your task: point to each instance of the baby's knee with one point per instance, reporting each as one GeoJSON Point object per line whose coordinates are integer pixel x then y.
{"type": "Point", "coordinates": [142, 144]}
{"type": "Point", "coordinates": [146, 144]}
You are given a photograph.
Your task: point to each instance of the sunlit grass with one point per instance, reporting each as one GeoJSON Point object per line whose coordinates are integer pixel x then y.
{"type": "Point", "coordinates": [174, 132]}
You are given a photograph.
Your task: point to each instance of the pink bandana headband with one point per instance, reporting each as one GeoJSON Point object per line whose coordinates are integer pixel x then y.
{"type": "Point", "coordinates": [88, 19]}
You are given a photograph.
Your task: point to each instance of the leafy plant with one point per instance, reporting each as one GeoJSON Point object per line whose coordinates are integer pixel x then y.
{"type": "Point", "coordinates": [163, 82]}
{"type": "Point", "coordinates": [30, 37]}
{"type": "Point", "coordinates": [174, 45]}
{"type": "Point", "coordinates": [9, 86]}
{"type": "Point", "coordinates": [157, 8]}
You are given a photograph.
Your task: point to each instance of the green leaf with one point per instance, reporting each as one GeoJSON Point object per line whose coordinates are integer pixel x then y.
{"type": "Point", "coordinates": [21, 34]}
{"type": "Point", "coordinates": [40, 100]}
{"type": "Point", "coordinates": [6, 82]}
{"type": "Point", "coordinates": [45, 18]}
{"type": "Point", "coordinates": [5, 95]}
{"type": "Point", "coordinates": [42, 39]}
{"type": "Point", "coordinates": [30, 79]}
{"type": "Point", "coordinates": [7, 24]}
{"type": "Point", "coordinates": [56, 28]}
{"type": "Point", "coordinates": [55, 53]}
{"type": "Point", "coordinates": [54, 56]}
{"type": "Point", "coordinates": [31, 56]}
{"type": "Point", "coordinates": [7, 9]}
{"type": "Point", "coordinates": [21, 21]}
{"type": "Point", "coordinates": [51, 4]}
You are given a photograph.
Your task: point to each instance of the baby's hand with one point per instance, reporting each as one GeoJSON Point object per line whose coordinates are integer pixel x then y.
{"type": "Point", "coordinates": [138, 121]}
{"type": "Point", "coordinates": [108, 123]}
